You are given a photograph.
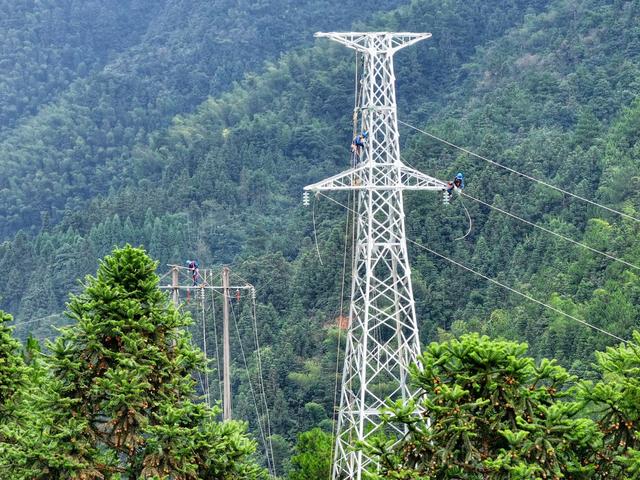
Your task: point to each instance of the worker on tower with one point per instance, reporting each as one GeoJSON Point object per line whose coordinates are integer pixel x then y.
{"type": "Point", "coordinates": [456, 185]}
{"type": "Point", "coordinates": [358, 142]}
{"type": "Point", "coordinates": [192, 265]}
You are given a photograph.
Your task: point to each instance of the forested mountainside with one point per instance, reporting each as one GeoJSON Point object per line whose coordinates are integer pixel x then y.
{"type": "Point", "coordinates": [564, 108]}
{"type": "Point", "coordinates": [219, 176]}
{"type": "Point", "coordinates": [47, 45]}
{"type": "Point", "coordinates": [73, 142]}
{"type": "Point", "coordinates": [142, 152]}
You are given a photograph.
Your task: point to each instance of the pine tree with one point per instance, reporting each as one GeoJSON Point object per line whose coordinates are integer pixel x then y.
{"type": "Point", "coordinates": [614, 400]}
{"type": "Point", "coordinates": [494, 414]}
{"type": "Point", "coordinates": [312, 458]}
{"type": "Point", "coordinates": [122, 401]}
{"type": "Point", "coordinates": [50, 442]}
{"type": "Point", "coordinates": [12, 382]}
{"type": "Point", "coordinates": [12, 369]}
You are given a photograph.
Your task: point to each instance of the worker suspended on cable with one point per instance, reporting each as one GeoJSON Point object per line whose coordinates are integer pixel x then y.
{"type": "Point", "coordinates": [192, 265]}
{"type": "Point", "coordinates": [358, 142]}
{"type": "Point", "coordinates": [457, 185]}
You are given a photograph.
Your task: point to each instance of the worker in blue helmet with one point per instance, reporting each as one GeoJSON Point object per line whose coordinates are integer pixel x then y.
{"type": "Point", "coordinates": [358, 142]}
{"type": "Point", "coordinates": [456, 185]}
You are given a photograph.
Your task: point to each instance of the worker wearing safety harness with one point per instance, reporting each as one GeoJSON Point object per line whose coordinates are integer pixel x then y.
{"type": "Point", "coordinates": [358, 142]}
{"type": "Point", "coordinates": [456, 185]}
{"type": "Point", "coordinates": [192, 265]}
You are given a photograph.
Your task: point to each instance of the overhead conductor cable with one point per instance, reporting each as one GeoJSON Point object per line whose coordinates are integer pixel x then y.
{"type": "Point", "coordinates": [528, 177]}
{"type": "Point", "coordinates": [506, 287]}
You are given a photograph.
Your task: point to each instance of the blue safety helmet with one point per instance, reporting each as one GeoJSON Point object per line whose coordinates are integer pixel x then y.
{"type": "Point", "coordinates": [459, 176]}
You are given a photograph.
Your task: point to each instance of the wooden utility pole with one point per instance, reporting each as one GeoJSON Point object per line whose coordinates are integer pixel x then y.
{"type": "Point", "coordinates": [226, 357]}
{"type": "Point", "coordinates": [180, 278]}
{"type": "Point", "coordinates": [179, 272]}
{"type": "Point", "coordinates": [175, 283]}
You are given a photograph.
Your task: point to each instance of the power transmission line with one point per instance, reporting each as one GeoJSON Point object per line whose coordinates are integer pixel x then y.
{"type": "Point", "coordinates": [513, 290]}
{"type": "Point", "coordinates": [506, 287]}
{"type": "Point", "coordinates": [528, 177]}
{"type": "Point", "coordinates": [27, 322]}
{"type": "Point", "coordinates": [563, 237]}
{"type": "Point", "coordinates": [267, 443]}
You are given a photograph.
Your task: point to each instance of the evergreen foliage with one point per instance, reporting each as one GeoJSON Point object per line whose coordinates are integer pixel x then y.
{"type": "Point", "coordinates": [12, 369]}
{"type": "Point", "coordinates": [121, 71]}
{"type": "Point", "coordinates": [120, 400]}
{"type": "Point", "coordinates": [48, 45]}
{"type": "Point", "coordinates": [493, 414]}
{"type": "Point", "coordinates": [614, 401]}
{"type": "Point", "coordinates": [313, 456]}
{"type": "Point", "coordinates": [13, 380]}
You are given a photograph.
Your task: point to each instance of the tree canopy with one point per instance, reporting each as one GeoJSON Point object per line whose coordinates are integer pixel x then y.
{"type": "Point", "coordinates": [118, 397]}
{"type": "Point", "coordinates": [484, 410]}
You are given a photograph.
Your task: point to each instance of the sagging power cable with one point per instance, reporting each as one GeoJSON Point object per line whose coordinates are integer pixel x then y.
{"type": "Point", "coordinates": [470, 222]}
{"type": "Point", "coordinates": [559, 235]}
{"type": "Point", "coordinates": [524, 175]}
{"type": "Point", "coordinates": [502, 285]}
{"type": "Point", "coordinates": [513, 290]}
{"type": "Point", "coordinates": [535, 225]}
{"type": "Point", "coordinates": [350, 220]}
{"type": "Point", "coordinates": [466, 210]}
{"type": "Point", "coordinates": [34, 320]}
{"type": "Point", "coordinates": [267, 445]}
{"type": "Point", "coordinates": [315, 235]}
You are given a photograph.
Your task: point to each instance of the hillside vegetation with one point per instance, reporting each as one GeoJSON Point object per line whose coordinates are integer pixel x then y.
{"type": "Point", "coordinates": [178, 139]}
{"type": "Point", "coordinates": [73, 144]}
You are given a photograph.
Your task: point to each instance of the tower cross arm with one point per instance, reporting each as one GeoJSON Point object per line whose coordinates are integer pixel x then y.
{"type": "Point", "coordinates": [358, 179]}
{"type": "Point", "coordinates": [379, 41]}
{"type": "Point", "coordinates": [412, 179]}
{"type": "Point", "coordinates": [348, 180]}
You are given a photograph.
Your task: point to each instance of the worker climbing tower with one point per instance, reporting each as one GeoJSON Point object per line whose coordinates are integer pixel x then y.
{"type": "Point", "coordinates": [382, 339]}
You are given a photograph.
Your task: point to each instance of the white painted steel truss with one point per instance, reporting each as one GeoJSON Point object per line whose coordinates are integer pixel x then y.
{"type": "Point", "coordinates": [382, 339]}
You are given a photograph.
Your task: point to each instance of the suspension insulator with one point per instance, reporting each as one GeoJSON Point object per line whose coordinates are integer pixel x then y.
{"type": "Point", "coordinates": [305, 199]}
{"type": "Point", "coordinates": [445, 197]}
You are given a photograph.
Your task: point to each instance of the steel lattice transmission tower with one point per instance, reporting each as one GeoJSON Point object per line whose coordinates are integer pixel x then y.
{"type": "Point", "coordinates": [382, 339]}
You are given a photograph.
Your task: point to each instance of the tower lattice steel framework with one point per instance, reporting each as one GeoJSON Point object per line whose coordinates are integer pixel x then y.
{"type": "Point", "coordinates": [382, 339]}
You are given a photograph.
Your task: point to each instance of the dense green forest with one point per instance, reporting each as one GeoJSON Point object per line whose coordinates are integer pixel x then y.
{"type": "Point", "coordinates": [115, 397]}
{"type": "Point", "coordinates": [74, 147]}
{"type": "Point", "coordinates": [190, 127]}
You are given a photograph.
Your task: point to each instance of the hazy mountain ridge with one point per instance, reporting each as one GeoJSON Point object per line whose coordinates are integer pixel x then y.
{"type": "Point", "coordinates": [45, 46]}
